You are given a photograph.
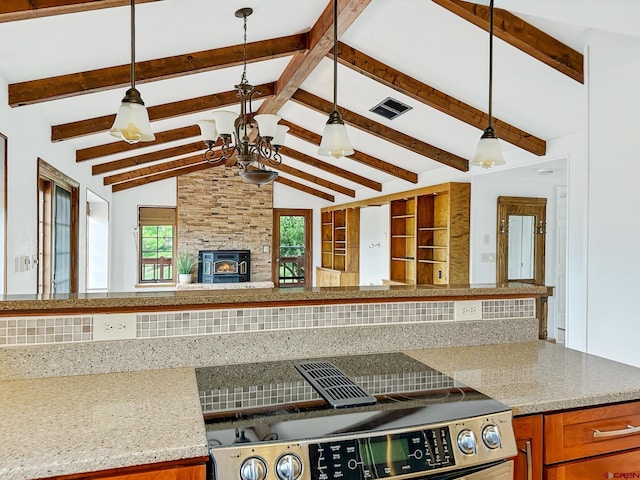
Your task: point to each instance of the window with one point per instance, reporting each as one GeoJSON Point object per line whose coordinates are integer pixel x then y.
{"type": "Point", "coordinates": [157, 230]}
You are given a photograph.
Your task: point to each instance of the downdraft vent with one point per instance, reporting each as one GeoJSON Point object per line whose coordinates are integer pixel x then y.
{"type": "Point", "coordinates": [333, 385]}
{"type": "Point", "coordinates": [390, 108]}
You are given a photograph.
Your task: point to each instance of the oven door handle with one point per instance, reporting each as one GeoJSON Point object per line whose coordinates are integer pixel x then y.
{"type": "Point", "coordinates": [502, 471]}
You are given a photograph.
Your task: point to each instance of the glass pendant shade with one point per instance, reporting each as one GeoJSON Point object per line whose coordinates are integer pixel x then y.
{"type": "Point", "coordinates": [132, 123]}
{"type": "Point", "coordinates": [488, 152]}
{"type": "Point", "coordinates": [225, 121]}
{"type": "Point", "coordinates": [278, 138]}
{"type": "Point", "coordinates": [258, 176]}
{"type": "Point", "coordinates": [208, 130]}
{"type": "Point", "coordinates": [335, 141]}
{"type": "Point", "coordinates": [267, 124]}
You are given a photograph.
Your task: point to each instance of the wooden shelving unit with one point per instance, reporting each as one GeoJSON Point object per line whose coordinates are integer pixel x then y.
{"type": "Point", "coordinates": [403, 239]}
{"type": "Point", "coordinates": [340, 247]}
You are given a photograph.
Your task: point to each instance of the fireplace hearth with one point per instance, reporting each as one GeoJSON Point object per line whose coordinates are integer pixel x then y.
{"type": "Point", "coordinates": [224, 266]}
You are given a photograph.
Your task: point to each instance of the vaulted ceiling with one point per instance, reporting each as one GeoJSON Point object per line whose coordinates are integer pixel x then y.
{"type": "Point", "coordinates": [67, 61]}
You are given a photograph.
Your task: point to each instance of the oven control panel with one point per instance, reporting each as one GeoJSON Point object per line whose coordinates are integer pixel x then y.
{"type": "Point", "coordinates": [404, 453]}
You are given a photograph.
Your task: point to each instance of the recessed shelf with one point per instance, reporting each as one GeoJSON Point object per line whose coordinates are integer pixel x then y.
{"type": "Point", "coordinates": [402, 216]}
{"type": "Point", "coordinates": [435, 247]}
{"type": "Point", "coordinates": [403, 259]}
{"type": "Point", "coordinates": [432, 229]}
{"type": "Point", "coordinates": [433, 261]}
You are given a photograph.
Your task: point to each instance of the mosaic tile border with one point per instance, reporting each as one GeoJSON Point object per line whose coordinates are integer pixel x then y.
{"type": "Point", "coordinates": [71, 329]}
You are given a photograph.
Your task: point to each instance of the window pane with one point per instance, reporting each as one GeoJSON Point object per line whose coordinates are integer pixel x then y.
{"type": "Point", "coordinates": [156, 247]}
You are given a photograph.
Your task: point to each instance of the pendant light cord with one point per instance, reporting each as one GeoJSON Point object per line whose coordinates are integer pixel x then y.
{"type": "Point", "coordinates": [133, 44]}
{"type": "Point", "coordinates": [335, 55]}
{"type": "Point", "coordinates": [490, 61]}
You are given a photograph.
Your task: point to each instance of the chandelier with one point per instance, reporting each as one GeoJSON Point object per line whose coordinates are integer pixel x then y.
{"type": "Point", "coordinates": [254, 140]}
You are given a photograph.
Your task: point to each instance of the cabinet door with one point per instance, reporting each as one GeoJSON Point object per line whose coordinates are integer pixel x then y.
{"type": "Point", "coordinates": [528, 432]}
{"type": "Point", "coordinates": [619, 465]}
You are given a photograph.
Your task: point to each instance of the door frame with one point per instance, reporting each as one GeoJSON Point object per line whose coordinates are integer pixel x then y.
{"type": "Point", "coordinates": [307, 213]}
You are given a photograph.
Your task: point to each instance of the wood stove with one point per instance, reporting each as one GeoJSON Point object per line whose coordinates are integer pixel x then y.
{"type": "Point", "coordinates": [224, 266]}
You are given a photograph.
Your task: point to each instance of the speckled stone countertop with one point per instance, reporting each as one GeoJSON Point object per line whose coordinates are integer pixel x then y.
{"type": "Point", "coordinates": [149, 300]}
{"type": "Point", "coordinates": [537, 376]}
{"type": "Point", "coordinates": [65, 425]}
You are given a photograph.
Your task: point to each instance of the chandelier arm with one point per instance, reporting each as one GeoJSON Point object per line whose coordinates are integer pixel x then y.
{"type": "Point", "coordinates": [273, 161]}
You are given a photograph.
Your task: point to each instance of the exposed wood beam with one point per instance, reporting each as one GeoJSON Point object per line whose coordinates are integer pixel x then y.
{"type": "Point", "coordinates": [152, 170]}
{"type": "Point", "coordinates": [90, 126]}
{"type": "Point", "coordinates": [521, 35]}
{"type": "Point", "coordinates": [330, 168]}
{"type": "Point", "coordinates": [14, 10]}
{"type": "Point", "coordinates": [112, 148]}
{"type": "Point", "coordinates": [320, 42]}
{"type": "Point", "coordinates": [306, 189]}
{"type": "Point", "coordinates": [64, 86]}
{"type": "Point", "coordinates": [155, 156]}
{"type": "Point", "coordinates": [317, 180]}
{"type": "Point", "coordinates": [360, 157]}
{"type": "Point", "coordinates": [433, 98]}
{"type": "Point", "coordinates": [383, 132]}
{"type": "Point", "coordinates": [161, 176]}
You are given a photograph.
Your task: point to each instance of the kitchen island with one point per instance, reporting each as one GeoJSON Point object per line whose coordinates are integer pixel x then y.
{"type": "Point", "coordinates": [66, 425]}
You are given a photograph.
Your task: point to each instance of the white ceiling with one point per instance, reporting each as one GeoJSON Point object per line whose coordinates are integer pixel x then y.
{"type": "Point", "coordinates": [417, 37]}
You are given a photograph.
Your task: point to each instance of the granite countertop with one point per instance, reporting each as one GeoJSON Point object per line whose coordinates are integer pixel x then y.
{"type": "Point", "coordinates": [536, 377]}
{"type": "Point", "coordinates": [148, 300]}
{"type": "Point", "coordinates": [64, 425]}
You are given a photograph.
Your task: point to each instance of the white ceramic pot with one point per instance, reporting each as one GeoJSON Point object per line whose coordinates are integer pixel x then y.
{"type": "Point", "coordinates": [184, 277]}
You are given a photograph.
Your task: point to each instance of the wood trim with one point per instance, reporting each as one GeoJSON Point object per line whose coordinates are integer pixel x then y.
{"type": "Point", "coordinates": [161, 176]}
{"type": "Point", "coordinates": [90, 126]}
{"type": "Point", "coordinates": [14, 10]}
{"type": "Point", "coordinates": [308, 243]}
{"type": "Point", "coordinates": [305, 188]}
{"type": "Point", "coordinates": [421, 92]}
{"type": "Point", "coordinates": [320, 42]}
{"type": "Point", "coordinates": [152, 170]}
{"type": "Point", "coordinates": [5, 196]}
{"type": "Point", "coordinates": [363, 158]}
{"type": "Point", "coordinates": [330, 168]}
{"type": "Point", "coordinates": [383, 132]}
{"type": "Point", "coordinates": [65, 86]}
{"type": "Point", "coordinates": [522, 35]}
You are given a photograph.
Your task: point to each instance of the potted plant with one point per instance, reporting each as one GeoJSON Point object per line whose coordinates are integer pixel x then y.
{"type": "Point", "coordinates": [185, 265]}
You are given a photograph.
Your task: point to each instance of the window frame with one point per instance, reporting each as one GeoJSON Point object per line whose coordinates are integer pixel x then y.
{"type": "Point", "coordinates": [157, 216]}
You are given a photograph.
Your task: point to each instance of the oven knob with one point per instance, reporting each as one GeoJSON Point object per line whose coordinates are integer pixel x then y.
{"type": "Point", "coordinates": [253, 468]}
{"type": "Point", "coordinates": [289, 467]}
{"type": "Point", "coordinates": [491, 437]}
{"type": "Point", "coordinates": [467, 442]}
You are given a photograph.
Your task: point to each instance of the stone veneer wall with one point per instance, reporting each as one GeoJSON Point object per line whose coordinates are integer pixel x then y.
{"type": "Point", "coordinates": [218, 211]}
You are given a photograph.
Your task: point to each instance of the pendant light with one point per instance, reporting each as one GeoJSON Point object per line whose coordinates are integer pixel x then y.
{"type": "Point", "coordinates": [488, 151]}
{"type": "Point", "coordinates": [335, 140]}
{"type": "Point", "coordinates": [132, 120]}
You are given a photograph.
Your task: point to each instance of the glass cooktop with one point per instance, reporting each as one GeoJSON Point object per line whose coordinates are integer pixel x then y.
{"type": "Point", "coordinates": [270, 401]}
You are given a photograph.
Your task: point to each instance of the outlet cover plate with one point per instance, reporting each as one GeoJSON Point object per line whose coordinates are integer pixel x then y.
{"type": "Point", "coordinates": [468, 310]}
{"type": "Point", "coordinates": [114, 326]}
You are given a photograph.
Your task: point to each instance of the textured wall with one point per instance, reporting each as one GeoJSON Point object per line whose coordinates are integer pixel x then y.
{"type": "Point", "coordinates": [218, 211]}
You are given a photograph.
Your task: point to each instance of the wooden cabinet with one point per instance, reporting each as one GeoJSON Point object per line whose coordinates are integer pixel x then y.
{"type": "Point", "coordinates": [528, 432]}
{"type": "Point", "coordinates": [430, 235]}
{"type": "Point", "coordinates": [340, 233]}
{"type": "Point", "coordinates": [195, 469]}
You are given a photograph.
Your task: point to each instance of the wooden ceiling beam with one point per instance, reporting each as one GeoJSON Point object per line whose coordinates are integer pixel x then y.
{"type": "Point", "coordinates": [65, 86]}
{"type": "Point", "coordinates": [112, 148]}
{"type": "Point", "coordinates": [363, 158]}
{"type": "Point", "coordinates": [137, 182]}
{"type": "Point", "coordinates": [91, 126]}
{"type": "Point", "coordinates": [330, 168]}
{"type": "Point", "coordinates": [152, 170]}
{"type": "Point", "coordinates": [383, 132]}
{"type": "Point", "coordinates": [102, 168]}
{"type": "Point", "coordinates": [305, 188]}
{"type": "Point", "coordinates": [14, 10]}
{"type": "Point", "coordinates": [522, 35]}
{"type": "Point", "coordinates": [317, 180]}
{"type": "Point", "coordinates": [400, 82]}
{"type": "Point", "coordinates": [320, 43]}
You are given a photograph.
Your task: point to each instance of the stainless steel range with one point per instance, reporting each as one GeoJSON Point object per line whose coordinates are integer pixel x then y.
{"type": "Point", "coordinates": [351, 418]}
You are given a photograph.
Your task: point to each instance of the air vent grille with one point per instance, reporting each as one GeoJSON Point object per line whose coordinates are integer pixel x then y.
{"type": "Point", "coordinates": [390, 108]}
{"type": "Point", "coordinates": [333, 385]}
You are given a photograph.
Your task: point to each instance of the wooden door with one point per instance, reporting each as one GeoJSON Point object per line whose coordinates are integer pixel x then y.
{"type": "Point", "coordinates": [291, 250]}
{"type": "Point", "coordinates": [528, 432]}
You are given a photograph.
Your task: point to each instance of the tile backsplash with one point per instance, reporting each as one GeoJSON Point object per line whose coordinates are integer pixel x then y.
{"type": "Point", "coordinates": [72, 329]}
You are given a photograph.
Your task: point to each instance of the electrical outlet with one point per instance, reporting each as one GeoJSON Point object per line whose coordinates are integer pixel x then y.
{"type": "Point", "coordinates": [115, 326]}
{"type": "Point", "coordinates": [468, 310]}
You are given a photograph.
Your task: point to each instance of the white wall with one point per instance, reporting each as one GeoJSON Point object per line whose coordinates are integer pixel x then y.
{"type": "Point", "coordinates": [374, 245]}
{"type": "Point", "coordinates": [28, 139]}
{"type": "Point", "coordinates": [613, 269]}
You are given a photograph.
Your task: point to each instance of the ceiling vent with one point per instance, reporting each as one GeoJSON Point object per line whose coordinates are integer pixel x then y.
{"type": "Point", "coordinates": [390, 108]}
